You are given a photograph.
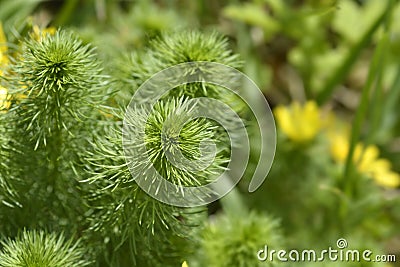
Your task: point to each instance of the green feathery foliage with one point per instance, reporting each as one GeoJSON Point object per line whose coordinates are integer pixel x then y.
{"type": "Point", "coordinates": [60, 134]}
{"type": "Point", "coordinates": [7, 193]}
{"type": "Point", "coordinates": [128, 72]}
{"type": "Point", "coordinates": [79, 168]}
{"type": "Point", "coordinates": [122, 213]}
{"type": "Point", "coordinates": [170, 130]}
{"type": "Point", "coordinates": [61, 78]}
{"type": "Point", "coordinates": [175, 48]}
{"type": "Point", "coordinates": [190, 46]}
{"type": "Point", "coordinates": [232, 241]}
{"type": "Point", "coordinates": [38, 249]}
{"type": "Point", "coordinates": [55, 83]}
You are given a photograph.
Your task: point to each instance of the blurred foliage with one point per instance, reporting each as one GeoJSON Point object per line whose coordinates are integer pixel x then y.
{"type": "Point", "coordinates": [328, 68]}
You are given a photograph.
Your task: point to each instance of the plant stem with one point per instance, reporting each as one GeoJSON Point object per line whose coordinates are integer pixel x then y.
{"type": "Point", "coordinates": [66, 12]}
{"type": "Point", "coordinates": [374, 76]}
{"type": "Point", "coordinates": [347, 64]}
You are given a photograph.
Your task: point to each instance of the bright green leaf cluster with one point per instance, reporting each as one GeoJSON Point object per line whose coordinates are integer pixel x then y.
{"type": "Point", "coordinates": [175, 48]}
{"type": "Point", "coordinates": [190, 46]}
{"type": "Point", "coordinates": [232, 241]}
{"type": "Point", "coordinates": [57, 77]}
{"type": "Point", "coordinates": [118, 203]}
{"type": "Point", "coordinates": [6, 191]}
{"type": "Point", "coordinates": [171, 120]}
{"type": "Point", "coordinates": [55, 84]}
{"type": "Point", "coordinates": [38, 249]}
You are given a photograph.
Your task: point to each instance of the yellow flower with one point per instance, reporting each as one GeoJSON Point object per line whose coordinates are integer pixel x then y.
{"type": "Point", "coordinates": [339, 147]}
{"type": "Point", "coordinates": [4, 99]}
{"type": "Point", "coordinates": [388, 179]}
{"type": "Point", "coordinates": [300, 123]}
{"type": "Point", "coordinates": [366, 160]}
{"type": "Point", "coordinates": [3, 50]}
{"type": "Point", "coordinates": [184, 264]}
{"type": "Point", "coordinates": [38, 33]}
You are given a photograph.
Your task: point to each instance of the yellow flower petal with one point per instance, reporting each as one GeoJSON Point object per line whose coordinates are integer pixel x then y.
{"type": "Point", "coordinates": [49, 30]}
{"type": "Point", "coordinates": [4, 99]}
{"type": "Point", "coordinates": [378, 166]}
{"type": "Point", "coordinates": [3, 50]}
{"type": "Point", "coordinates": [339, 147]}
{"type": "Point", "coordinates": [38, 33]}
{"type": "Point", "coordinates": [3, 41]}
{"type": "Point", "coordinates": [365, 159]}
{"type": "Point", "coordinates": [184, 264]}
{"type": "Point", "coordinates": [283, 118]}
{"type": "Point", "coordinates": [299, 123]}
{"type": "Point", "coordinates": [388, 179]}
